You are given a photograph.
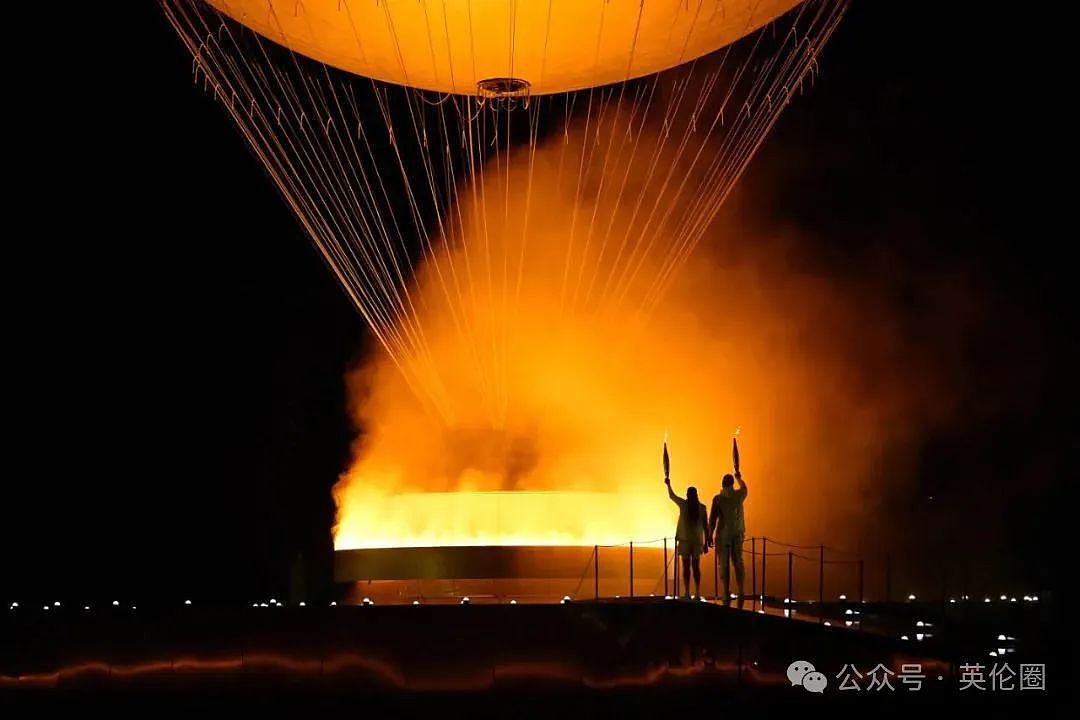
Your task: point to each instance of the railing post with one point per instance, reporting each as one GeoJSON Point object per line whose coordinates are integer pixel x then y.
{"type": "Point", "coordinates": [716, 572]}
{"type": "Point", "coordinates": [665, 567]}
{"type": "Point", "coordinates": [675, 566]}
{"type": "Point", "coordinates": [821, 584]}
{"type": "Point", "coordinates": [596, 570]}
{"type": "Point", "coordinates": [790, 590]}
{"type": "Point", "coordinates": [631, 568]}
{"type": "Point", "coordinates": [764, 560]}
{"type": "Point", "coordinates": [753, 570]}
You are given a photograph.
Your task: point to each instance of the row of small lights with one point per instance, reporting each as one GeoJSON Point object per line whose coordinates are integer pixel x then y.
{"type": "Point", "coordinates": [566, 599]}
{"type": "Point", "coordinates": [115, 603]}
{"type": "Point", "coordinates": [987, 599]}
{"type": "Point", "coordinates": [365, 601]}
{"type": "Point", "coordinates": [1001, 651]}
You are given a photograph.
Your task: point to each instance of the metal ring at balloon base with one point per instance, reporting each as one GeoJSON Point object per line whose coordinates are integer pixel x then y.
{"type": "Point", "coordinates": [505, 91]}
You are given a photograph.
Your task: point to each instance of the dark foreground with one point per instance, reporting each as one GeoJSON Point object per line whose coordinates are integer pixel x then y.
{"type": "Point", "coordinates": [579, 659]}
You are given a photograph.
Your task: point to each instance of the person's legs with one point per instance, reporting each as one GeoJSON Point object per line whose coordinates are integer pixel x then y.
{"type": "Point", "coordinates": [723, 549]}
{"type": "Point", "coordinates": [737, 561]}
{"type": "Point", "coordinates": [686, 574]}
{"type": "Point", "coordinates": [697, 575]}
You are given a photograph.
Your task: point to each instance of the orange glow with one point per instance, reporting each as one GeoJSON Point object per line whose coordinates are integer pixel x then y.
{"type": "Point", "coordinates": [551, 378]}
{"type": "Point", "coordinates": [386, 671]}
{"type": "Point", "coordinates": [556, 45]}
{"type": "Point", "coordinates": [498, 518]}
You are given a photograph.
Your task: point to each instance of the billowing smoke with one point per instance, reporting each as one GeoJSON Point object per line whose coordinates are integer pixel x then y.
{"type": "Point", "coordinates": [564, 340]}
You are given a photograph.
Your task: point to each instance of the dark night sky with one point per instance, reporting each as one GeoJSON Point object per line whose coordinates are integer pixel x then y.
{"type": "Point", "coordinates": [175, 348]}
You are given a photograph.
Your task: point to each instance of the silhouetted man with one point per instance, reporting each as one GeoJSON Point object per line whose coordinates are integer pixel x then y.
{"type": "Point", "coordinates": [726, 520]}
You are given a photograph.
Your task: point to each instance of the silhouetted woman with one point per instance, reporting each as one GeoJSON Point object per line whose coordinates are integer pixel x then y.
{"type": "Point", "coordinates": [691, 534]}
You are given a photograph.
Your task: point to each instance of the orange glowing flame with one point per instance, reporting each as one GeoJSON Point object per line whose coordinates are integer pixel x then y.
{"type": "Point", "coordinates": [499, 518]}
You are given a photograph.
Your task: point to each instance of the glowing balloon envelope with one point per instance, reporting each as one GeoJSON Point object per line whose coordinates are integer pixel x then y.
{"type": "Point", "coordinates": [553, 45]}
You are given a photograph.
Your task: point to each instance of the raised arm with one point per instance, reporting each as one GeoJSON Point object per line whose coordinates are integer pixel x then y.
{"type": "Point", "coordinates": [742, 491]}
{"type": "Point", "coordinates": [671, 493]}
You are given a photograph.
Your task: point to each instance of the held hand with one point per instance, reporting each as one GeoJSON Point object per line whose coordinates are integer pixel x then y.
{"type": "Point", "coordinates": [667, 481]}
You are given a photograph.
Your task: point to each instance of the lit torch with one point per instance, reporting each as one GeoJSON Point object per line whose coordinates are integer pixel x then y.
{"type": "Point", "coordinates": [734, 449]}
{"type": "Point", "coordinates": [667, 462]}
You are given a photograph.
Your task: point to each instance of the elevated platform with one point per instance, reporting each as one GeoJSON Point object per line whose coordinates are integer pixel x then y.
{"type": "Point", "coordinates": [487, 563]}
{"type": "Point", "coordinates": [501, 573]}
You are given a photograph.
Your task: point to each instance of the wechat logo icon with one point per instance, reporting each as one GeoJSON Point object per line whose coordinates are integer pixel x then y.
{"type": "Point", "coordinates": [803, 673]}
